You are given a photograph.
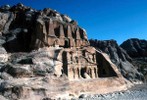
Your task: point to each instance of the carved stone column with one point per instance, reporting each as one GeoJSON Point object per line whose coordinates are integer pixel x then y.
{"type": "Point", "coordinates": [51, 34]}
{"type": "Point", "coordinates": [70, 37]}
{"type": "Point", "coordinates": [78, 38]}
{"type": "Point", "coordinates": [62, 36]}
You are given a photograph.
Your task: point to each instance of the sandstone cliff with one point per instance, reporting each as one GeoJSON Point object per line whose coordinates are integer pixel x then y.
{"type": "Point", "coordinates": [45, 54]}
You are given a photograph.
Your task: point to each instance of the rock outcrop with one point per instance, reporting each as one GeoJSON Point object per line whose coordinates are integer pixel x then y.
{"type": "Point", "coordinates": [119, 57]}
{"type": "Point", "coordinates": [46, 55]}
{"type": "Point", "coordinates": [27, 29]}
{"type": "Point", "coordinates": [135, 47]}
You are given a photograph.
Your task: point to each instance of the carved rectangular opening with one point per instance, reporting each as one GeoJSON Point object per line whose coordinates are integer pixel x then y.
{"type": "Point", "coordinates": [83, 71]}
{"type": "Point", "coordinates": [67, 43]}
{"type": "Point", "coordinates": [64, 60]}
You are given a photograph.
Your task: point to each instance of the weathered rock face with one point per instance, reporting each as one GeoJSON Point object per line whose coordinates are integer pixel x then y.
{"type": "Point", "coordinates": [51, 32]}
{"type": "Point", "coordinates": [50, 72]}
{"type": "Point", "coordinates": [135, 47]}
{"type": "Point", "coordinates": [119, 57]}
{"type": "Point", "coordinates": [44, 53]}
{"type": "Point", "coordinates": [26, 29]}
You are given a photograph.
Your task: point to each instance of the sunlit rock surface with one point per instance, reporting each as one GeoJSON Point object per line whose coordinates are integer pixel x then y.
{"type": "Point", "coordinates": [46, 55]}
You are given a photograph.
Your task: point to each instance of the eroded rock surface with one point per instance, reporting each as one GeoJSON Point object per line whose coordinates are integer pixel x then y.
{"type": "Point", "coordinates": [119, 57]}
{"type": "Point", "coordinates": [135, 47]}
{"type": "Point", "coordinates": [25, 29]}
{"type": "Point", "coordinates": [46, 55]}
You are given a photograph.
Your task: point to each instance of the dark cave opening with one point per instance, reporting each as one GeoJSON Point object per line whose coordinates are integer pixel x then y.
{"type": "Point", "coordinates": [64, 60]}
{"type": "Point", "coordinates": [18, 42]}
{"type": "Point", "coordinates": [19, 33]}
{"type": "Point", "coordinates": [67, 44]}
{"type": "Point", "coordinates": [83, 71]}
{"type": "Point", "coordinates": [104, 67]}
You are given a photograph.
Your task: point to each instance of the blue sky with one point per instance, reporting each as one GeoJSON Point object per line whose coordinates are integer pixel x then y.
{"type": "Point", "coordinates": [102, 19]}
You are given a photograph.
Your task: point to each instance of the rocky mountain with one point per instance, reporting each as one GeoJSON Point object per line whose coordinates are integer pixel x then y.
{"type": "Point", "coordinates": [137, 49]}
{"type": "Point", "coordinates": [119, 57]}
{"type": "Point", "coordinates": [46, 55]}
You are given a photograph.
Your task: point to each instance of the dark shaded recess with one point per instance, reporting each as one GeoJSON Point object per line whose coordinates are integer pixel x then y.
{"type": "Point", "coordinates": [81, 33]}
{"type": "Point", "coordinates": [67, 43]}
{"type": "Point", "coordinates": [83, 52]}
{"type": "Point", "coordinates": [57, 31]}
{"type": "Point", "coordinates": [83, 71]}
{"type": "Point", "coordinates": [20, 42]}
{"type": "Point", "coordinates": [65, 30]}
{"type": "Point", "coordinates": [64, 61]}
{"type": "Point", "coordinates": [46, 98]}
{"type": "Point", "coordinates": [56, 54]}
{"type": "Point", "coordinates": [19, 21]}
{"type": "Point", "coordinates": [26, 61]}
{"type": "Point", "coordinates": [105, 69]}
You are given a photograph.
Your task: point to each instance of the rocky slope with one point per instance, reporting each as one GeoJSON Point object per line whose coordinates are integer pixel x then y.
{"type": "Point", "coordinates": [137, 49]}
{"type": "Point", "coordinates": [119, 57]}
{"type": "Point", "coordinates": [46, 55]}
